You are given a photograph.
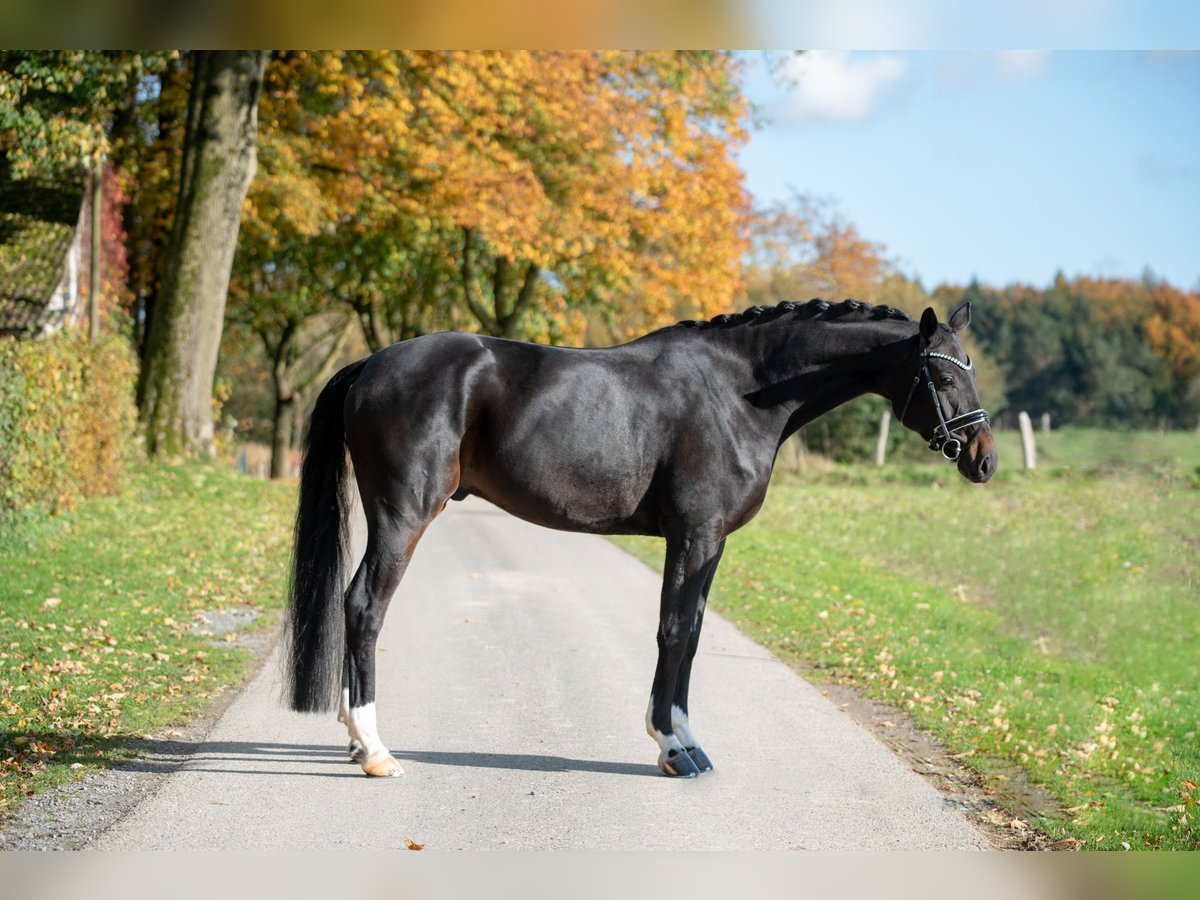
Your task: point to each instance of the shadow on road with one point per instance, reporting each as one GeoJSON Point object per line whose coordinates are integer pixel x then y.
{"type": "Point", "coordinates": [525, 761]}
{"type": "Point", "coordinates": [134, 754]}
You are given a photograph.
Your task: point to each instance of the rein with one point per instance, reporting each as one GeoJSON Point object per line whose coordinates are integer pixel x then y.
{"type": "Point", "coordinates": [950, 447]}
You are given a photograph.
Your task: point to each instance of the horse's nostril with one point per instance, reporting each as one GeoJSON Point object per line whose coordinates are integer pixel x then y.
{"type": "Point", "coordinates": [986, 465]}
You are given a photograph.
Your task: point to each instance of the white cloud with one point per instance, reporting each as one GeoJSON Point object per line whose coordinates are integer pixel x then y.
{"type": "Point", "coordinates": [834, 86]}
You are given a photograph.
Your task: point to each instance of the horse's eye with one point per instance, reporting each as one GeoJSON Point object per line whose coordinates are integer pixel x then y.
{"type": "Point", "coordinates": [946, 381]}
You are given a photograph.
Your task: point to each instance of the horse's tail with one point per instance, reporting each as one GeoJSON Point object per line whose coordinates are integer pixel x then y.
{"type": "Point", "coordinates": [315, 614]}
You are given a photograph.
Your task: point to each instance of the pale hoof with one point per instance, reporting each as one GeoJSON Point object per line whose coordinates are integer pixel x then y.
{"type": "Point", "coordinates": [382, 765]}
{"type": "Point", "coordinates": [356, 752]}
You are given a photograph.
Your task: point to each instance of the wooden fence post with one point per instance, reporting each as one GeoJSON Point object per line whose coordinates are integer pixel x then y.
{"type": "Point", "coordinates": [1027, 440]}
{"type": "Point", "coordinates": [885, 421]}
{"type": "Point", "coordinates": [1045, 423]}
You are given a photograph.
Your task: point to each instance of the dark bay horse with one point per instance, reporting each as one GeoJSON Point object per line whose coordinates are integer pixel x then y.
{"type": "Point", "coordinates": [673, 435]}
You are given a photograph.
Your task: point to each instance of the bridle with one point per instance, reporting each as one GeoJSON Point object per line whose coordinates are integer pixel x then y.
{"type": "Point", "coordinates": [950, 447]}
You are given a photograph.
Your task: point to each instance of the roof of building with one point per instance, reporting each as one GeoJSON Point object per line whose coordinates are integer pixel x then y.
{"type": "Point", "coordinates": [37, 226]}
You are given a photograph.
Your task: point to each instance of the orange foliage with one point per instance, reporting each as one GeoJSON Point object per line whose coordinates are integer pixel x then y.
{"type": "Point", "coordinates": [613, 173]}
{"type": "Point", "coordinates": [1113, 300]}
{"type": "Point", "coordinates": [1173, 330]}
{"type": "Point", "coordinates": [801, 251]}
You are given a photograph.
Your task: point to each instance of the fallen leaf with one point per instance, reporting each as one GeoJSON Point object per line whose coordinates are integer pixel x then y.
{"type": "Point", "coordinates": [1066, 844]}
{"type": "Point", "coordinates": [51, 602]}
{"type": "Point", "coordinates": [413, 845]}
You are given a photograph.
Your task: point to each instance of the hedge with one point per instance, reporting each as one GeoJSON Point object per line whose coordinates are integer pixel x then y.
{"type": "Point", "coordinates": [67, 420]}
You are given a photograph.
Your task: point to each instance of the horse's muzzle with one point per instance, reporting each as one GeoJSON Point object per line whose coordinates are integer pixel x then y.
{"type": "Point", "coordinates": [978, 460]}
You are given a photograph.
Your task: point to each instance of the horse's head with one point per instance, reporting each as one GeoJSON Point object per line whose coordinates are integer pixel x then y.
{"type": "Point", "coordinates": [935, 397]}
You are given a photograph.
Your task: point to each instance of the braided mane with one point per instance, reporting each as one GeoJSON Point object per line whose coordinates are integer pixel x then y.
{"type": "Point", "coordinates": [813, 309]}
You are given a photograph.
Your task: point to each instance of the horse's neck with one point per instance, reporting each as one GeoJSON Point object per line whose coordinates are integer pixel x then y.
{"type": "Point", "coordinates": [799, 375]}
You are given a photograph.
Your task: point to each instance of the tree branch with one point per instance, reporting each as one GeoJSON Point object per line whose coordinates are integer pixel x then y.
{"type": "Point", "coordinates": [324, 371]}
{"type": "Point", "coordinates": [279, 361]}
{"type": "Point", "coordinates": [498, 290]}
{"type": "Point", "coordinates": [524, 298]}
{"type": "Point", "coordinates": [468, 277]}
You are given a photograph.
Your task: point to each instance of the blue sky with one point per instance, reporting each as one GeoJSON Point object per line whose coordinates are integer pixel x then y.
{"type": "Point", "coordinates": [997, 165]}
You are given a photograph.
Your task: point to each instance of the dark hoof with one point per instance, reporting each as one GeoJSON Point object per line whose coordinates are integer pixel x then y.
{"type": "Point", "coordinates": [700, 758]}
{"type": "Point", "coordinates": [678, 764]}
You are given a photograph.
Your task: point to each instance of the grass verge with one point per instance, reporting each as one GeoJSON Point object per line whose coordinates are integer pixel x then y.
{"type": "Point", "coordinates": [1044, 628]}
{"type": "Point", "coordinates": [107, 615]}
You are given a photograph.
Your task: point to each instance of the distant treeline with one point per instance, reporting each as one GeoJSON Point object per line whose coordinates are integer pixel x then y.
{"type": "Point", "coordinates": [1105, 352]}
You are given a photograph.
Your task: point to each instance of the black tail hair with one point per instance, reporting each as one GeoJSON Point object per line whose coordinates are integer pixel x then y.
{"type": "Point", "coordinates": [315, 615]}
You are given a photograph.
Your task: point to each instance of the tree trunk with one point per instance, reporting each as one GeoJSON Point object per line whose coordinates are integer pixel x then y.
{"type": "Point", "coordinates": [175, 390]}
{"type": "Point", "coordinates": [292, 383]}
{"type": "Point", "coordinates": [281, 435]}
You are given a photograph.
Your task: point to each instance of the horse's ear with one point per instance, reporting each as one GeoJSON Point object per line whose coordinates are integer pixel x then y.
{"type": "Point", "coordinates": [929, 323]}
{"type": "Point", "coordinates": [961, 317]}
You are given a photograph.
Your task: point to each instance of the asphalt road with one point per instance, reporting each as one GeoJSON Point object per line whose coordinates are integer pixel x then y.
{"type": "Point", "coordinates": [514, 670]}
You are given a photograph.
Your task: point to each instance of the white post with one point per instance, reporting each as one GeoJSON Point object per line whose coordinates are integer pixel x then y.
{"type": "Point", "coordinates": [885, 421]}
{"type": "Point", "coordinates": [1045, 423]}
{"type": "Point", "coordinates": [1027, 440]}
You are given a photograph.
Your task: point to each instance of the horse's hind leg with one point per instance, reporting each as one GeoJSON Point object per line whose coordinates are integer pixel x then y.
{"type": "Point", "coordinates": [689, 563]}
{"type": "Point", "coordinates": [679, 710]}
{"type": "Point", "coordinates": [390, 544]}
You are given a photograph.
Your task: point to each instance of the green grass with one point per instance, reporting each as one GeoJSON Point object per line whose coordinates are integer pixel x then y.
{"type": "Point", "coordinates": [1047, 626]}
{"type": "Point", "coordinates": [1094, 451]}
{"type": "Point", "coordinates": [97, 609]}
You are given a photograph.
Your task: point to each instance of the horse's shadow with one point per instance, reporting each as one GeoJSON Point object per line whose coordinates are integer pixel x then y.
{"type": "Point", "coordinates": [208, 755]}
{"type": "Point", "coordinates": [162, 756]}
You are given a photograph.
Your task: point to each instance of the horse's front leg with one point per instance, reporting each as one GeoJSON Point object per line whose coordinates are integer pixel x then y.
{"type": "Point", "coordinates": [686, 575]}
{"type": "Point", "coordinates": [679, 710]}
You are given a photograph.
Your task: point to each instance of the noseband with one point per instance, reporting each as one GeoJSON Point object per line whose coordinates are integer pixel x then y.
{"type": "Point", "coordinates": [950, 447]}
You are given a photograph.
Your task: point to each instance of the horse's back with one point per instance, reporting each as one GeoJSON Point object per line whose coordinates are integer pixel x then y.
{"type": "Point", "coordinates": [567, 438]}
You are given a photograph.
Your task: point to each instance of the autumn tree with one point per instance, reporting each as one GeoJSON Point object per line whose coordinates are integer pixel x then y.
{"type": "Point", "coordinates": [303, 333]}
{"type": "Point", "coordinates": [1173, 330]}
{"type": "Point", "coordinates": [803, 248]}
{"type": "Point", "coordinates": [610, 174]}
{"type": "Point", "coordinates": [62, 109]}
{"type": "Point", "coordinates": [153, 160]}
{"type": "Point", "coordinates": [509, 192]}
{"type": "Point", "coordinates": [175, 389]}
